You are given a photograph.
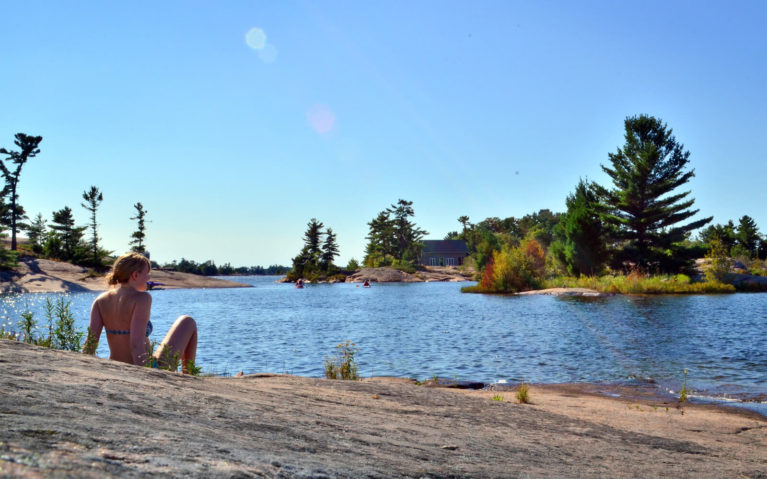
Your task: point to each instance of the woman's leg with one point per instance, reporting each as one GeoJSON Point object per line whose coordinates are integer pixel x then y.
{"type": "Point", "coordinates": [182, 340]}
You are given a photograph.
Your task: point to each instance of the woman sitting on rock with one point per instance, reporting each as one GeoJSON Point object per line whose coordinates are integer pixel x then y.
{"type": "Point", "coordinates": [124, 312]}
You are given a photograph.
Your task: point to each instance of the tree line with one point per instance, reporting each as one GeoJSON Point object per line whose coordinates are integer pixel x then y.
{"type": "Point", "coordinates": [641, 222]}
{"type": "Point", "coordinates": [209, 268]}
{"type": "Point", "coordinates": [62, 239]}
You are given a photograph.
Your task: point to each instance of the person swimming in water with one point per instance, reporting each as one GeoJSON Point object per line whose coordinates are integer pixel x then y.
{"type": "Point", "coordinates": [124, 310]}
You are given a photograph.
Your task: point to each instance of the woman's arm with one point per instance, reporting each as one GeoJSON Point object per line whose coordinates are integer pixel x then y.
{"type": "Point", "coordinates": [94, 330]}
{"type": "Point", "coordinates": [139, 320]}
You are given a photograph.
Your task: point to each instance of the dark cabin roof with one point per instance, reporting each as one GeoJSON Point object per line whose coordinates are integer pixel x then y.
{"type": "Point", "coordinates": [445, 247]}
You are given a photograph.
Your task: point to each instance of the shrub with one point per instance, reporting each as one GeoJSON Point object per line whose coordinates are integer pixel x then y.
{"type": "Point", "coordinates": [342, 365]}
{"type": "Point", "coordinates": [522, 393]}
{"type": "Point", "coordinates": [27, 326]}
{"type": "Point", "coordinates": [65, 335]}
{"type": "Point", "coordinates": [720, 262]}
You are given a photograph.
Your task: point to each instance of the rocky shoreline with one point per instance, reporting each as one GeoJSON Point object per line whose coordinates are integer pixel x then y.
{"type": "Point", "coordinates": [36, 275]}
{"type": "Point", "coordinates": [65, 414]}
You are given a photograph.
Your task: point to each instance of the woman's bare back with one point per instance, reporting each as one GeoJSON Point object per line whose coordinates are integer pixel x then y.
{"type": "Point", "coordinates": [118, 311]}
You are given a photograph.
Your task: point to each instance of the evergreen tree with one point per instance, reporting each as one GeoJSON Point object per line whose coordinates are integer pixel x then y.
{"type": "Point", "coordinates": [28, 148]}
{"type": "Point", "coordinates": [65, 231]}
{"type": "Point", "coordinates": [580, 243]}
{"type": "Point", "coordinates": [313, 239]}
{"type": "Point", "coordinates": [407, 235]}
{"type": "Point", "coordinates": [724, 233]}
{"type": "Point", "coordinates": [747, 235]}
{"type": "Point", "coordinates": [138, 236]}
{"type": "Point", "coordinates": [381, 241]}
{"type": "Point", "coordinates": [93, 198]}
{"type": "Point", "coordinates": [307, 261]}
{"type": "Point", "coordinates": [329, 250]}
{"type": "Point", "coordinates": [37, 232]}
{"type": "Point", "coordinates": [643, 208]}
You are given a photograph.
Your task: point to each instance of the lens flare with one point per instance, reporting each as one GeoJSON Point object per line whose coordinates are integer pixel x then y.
{"type": "Point", "coordinates": [255, 38]}
{"type": "Point", "coordinates": [320, 118]}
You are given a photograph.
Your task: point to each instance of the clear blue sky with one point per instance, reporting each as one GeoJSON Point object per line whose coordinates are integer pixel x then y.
{"type": "Point", "coordinates": [335, 109]}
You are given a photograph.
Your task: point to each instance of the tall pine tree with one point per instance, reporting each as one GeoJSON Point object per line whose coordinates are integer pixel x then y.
{"type": "Point", "coordinates": [329, 250]}
{"type": "Point", "coordinates": [28, 148]}
{"type": "Point", "coordinates": [93, 199]}
{"type": "Point", "coordinates": [138, 236]}
{"type": "Point", "coordinates": [643, 206]}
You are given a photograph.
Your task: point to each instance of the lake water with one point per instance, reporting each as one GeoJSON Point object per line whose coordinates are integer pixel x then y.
{"type": "Point", "coordinates": [420, 330]}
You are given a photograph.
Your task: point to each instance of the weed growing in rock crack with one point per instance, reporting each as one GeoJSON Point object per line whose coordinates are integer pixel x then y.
{"type": "Point", "coordinates": [342, 365]}
{"type": "Point", "coordinates": [522, 394]}
{"type": "Point", "coordinates": [498, 397]}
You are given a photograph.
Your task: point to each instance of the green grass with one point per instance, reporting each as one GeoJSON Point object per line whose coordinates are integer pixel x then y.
{"type": "Point", "coordinates": [638, 284]}
{"type": "Point", "coordinates": [498, 397]}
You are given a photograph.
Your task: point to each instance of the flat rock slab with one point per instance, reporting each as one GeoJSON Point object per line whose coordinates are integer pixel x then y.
{"type": "Point", "coordinates": [36, 275]}
{"type": "Point", "coordinates": [70, 415]}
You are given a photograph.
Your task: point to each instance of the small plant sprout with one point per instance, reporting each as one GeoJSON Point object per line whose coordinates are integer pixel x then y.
{"type": "Point", "coordinates": [684, 392]}
{"type": "Point", "coordinates": [498, 397]}
{"type": "Point", "coordinates": [522, 394]}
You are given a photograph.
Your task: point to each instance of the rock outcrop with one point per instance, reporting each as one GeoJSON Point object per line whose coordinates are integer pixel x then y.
{"type": "Point", "coordinates": [391, 275]}
{"type": "Point", "coordinates": [66, 414]}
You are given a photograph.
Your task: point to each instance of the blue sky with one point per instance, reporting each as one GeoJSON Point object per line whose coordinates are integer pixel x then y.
{"type": "Point", "coordinates": [236, 122]}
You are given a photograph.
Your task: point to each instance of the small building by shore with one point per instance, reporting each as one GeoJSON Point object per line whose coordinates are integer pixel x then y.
{"type": "Point", "coordinates": [443, 253]}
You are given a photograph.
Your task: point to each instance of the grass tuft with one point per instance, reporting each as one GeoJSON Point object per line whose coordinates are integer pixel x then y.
{"type": "Point", "coordinates": [522, 393]}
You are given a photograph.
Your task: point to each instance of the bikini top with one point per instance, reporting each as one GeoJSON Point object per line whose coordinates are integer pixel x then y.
{"type": "Point", "coordinates": [123, 331]}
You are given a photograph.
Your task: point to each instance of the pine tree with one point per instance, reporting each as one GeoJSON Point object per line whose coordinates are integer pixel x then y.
{"type": "Point", "coordinates": [407, 235]}
{"type": "Point", "coordinates": [747, 235]}
{"type": "Point", "coordinates": [329, 250]}
{"type": "Point", "coordinates": [63, 226]}
{"type": "Point", "coordinates": [643, 207]}
{"type": "Point", "coordinates": [36, 233]}
{"type": "Point", "coordinates": [93, 198]}
{"type": "Point", "coordinates": [28, 148]}
{"type": "Point", "coordinates": [138, 236]}
{"type": "Point", "coordinates": [381, 241]}
{"type": "Point", "coordinates": [313, 239]}
{"type": "Point", "coordinates": [580, 243]}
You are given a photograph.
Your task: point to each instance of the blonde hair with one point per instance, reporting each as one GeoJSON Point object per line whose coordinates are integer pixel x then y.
{"type": "Point", "coordinates": [124, 266]}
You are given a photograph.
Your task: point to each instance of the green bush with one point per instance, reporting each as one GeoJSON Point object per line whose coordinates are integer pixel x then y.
{"type": "Point", "coordinates": [342, 365]}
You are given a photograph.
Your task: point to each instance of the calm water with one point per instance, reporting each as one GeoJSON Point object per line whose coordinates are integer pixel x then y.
{"type": "Point", "coordinates": [425, 329]}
